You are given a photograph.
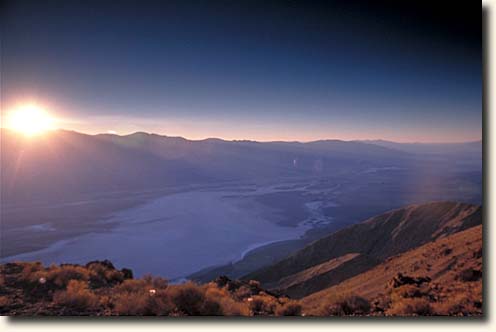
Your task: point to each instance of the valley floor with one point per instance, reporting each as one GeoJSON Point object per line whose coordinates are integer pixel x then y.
{"type": "Point", "coordinates": [181, 232]}
{"type": "Point", "coordinates": [175, 235]}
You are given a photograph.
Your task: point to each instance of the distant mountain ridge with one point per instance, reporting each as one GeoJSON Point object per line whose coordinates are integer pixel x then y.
{"type": "Point", "coordinates": [359, 247]}
{"type": "Point", "coordinates": [63, 164]}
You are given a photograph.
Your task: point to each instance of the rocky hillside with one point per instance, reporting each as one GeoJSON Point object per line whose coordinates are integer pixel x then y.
{"type": "Point", "coordinates": [358, 248]}
{"type": "Point", "coordinates": [443, 277]}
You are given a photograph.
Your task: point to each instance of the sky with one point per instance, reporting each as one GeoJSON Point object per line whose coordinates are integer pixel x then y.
{"type": "Point", "coordinates": [260, 70]}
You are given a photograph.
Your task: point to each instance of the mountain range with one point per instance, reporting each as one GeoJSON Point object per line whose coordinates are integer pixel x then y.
{"type": "Point", "coordinates": [64, 165]}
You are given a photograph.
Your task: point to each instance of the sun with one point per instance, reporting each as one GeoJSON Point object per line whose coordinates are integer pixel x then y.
{"type": "Point", "coordinates": [30, 120]}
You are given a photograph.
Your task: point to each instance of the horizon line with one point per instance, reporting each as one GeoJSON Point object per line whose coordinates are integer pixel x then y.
{"type": "Point", "coordinates": [368, 141]}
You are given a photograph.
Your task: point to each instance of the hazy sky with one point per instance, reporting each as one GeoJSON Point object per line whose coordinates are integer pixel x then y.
{"type": "Point", "coordinates": [264, 70]}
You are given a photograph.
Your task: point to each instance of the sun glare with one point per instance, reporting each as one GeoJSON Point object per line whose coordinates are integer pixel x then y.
{"type": "Point", "coordinates": [30, 120]}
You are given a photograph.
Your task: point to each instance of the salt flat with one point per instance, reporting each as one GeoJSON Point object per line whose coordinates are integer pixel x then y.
{"type": "Point", "coordinates": [174, 235]}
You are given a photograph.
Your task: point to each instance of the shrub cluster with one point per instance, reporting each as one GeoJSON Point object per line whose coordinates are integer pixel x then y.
{"type": "Point", "coordinates": [99, 289]}
{"type": "Point", "coordinates": [343, 305]}
{"type": "Point", "coordinates": [77, 296]}
{"type": "Point", "coordinates": [461, 297]}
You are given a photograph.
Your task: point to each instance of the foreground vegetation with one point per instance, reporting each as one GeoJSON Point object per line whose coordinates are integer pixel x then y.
{"type": "Point", "coordinates": [98, 289]}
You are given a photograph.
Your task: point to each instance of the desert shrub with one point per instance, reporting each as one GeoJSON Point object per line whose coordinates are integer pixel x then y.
{"type": "Point", "coordinates": [114, 276]}
{"type": "Point", "coordinates": [410, 307]}
{"type": "Point", "coordinates": [451, 308]}
{"type": "Point", "coordinates": [61, 276]}
{"type": "Point", "coordinates": [410, 300]}
{"type": "Point", "coordinates": [263, 305]}
{"type": "Point", "coordinates": [156, 282]}
{"type": "Point", "coordinates": [130, 304]}
{"type": "Point", "coordinates": [289, 308]}
{"type": "Point", "coordinates": [31, 272]}
{"type": "Point", "coordinates": [131, 286]}
{"type": "Point", "coordinates": [208, 300]}
{"type": "Point", "coordinates": [143, 303]}
{"type": "Point", "coordinates": [159, 304]}
{"type": "Point", "coordinates": [97, 276]}
{"type": "Point", "coordinates": [406, 291]}
{"type": "Point", "coordinates": [76, 296]}
{"type": "Point", "coordinates": [13, 268]}
{"type": "Point", "coordinates": [32, 279]}
{"type": "Point", "coordinates": [461, 302]}
{"type": "Point", "coordinates": [102, 275]}
{"type": "Point", "coordinates": [146, 296]}
{"type": "Point", "coordinates": [188, 298]}
{"type": "Point", "coordinates": [229, 305]}
{"type": "Point", "coordinates": [211, 308]}
{"type": "Point", "coordinates": [142, 285]}
{"type": "Point", "coordinates": [346, 306]}
{"type": "Point", "coordinates": [380, 303]}
{"type": "Point", "coordinates": [105, 301]}
{"type": "Point", "coordinates": [34, 275]}
{"type": "Point", "coordinates": [105, 263]}
{"type": "Point", "coordinates": [242, 293]}
{"type": "Point", "coordinates": [234, 308]}
{"type": "Point", "coordinates": [127, 273]}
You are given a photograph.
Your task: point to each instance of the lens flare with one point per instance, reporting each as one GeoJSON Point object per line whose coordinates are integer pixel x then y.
{"type": "Point", "coordinates": [30, 120]}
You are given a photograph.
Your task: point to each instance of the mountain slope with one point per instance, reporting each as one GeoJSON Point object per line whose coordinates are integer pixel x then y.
{"type": "Point", "coordinates": [328, 273]}
{"type": "Point", "coordinates": [448, 272]}
{"type": "Point", "coordinates": [378, 238]}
